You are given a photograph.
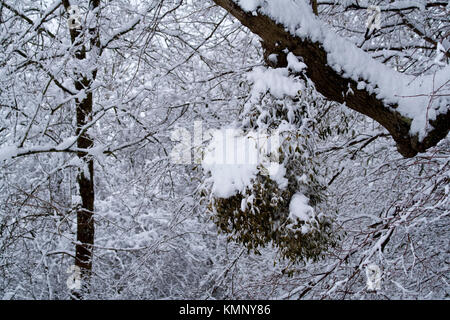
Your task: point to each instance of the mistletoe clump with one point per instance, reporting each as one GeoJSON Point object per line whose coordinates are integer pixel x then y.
{"type": "Point", "coordinates": [260, 216]}
{"type": "Point", "coordinates": [263, 213]}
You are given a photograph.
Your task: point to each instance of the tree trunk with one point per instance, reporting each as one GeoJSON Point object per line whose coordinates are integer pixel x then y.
{"type": "Point", "coordinates": [85, 178]}
{"type": "Point", "coordinates": [85, 213]}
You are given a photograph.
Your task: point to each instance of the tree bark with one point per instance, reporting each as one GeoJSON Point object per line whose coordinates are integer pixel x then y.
{"type": "Point", "coordinates": [314, 6]}
{"type": "Point", "coordinates": [85, 177]}
{"type": "Point", "coordinates": [333, 86]}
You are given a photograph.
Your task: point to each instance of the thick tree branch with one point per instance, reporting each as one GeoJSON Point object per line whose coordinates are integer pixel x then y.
{"type": "Point", "coordinates": [334, 86]}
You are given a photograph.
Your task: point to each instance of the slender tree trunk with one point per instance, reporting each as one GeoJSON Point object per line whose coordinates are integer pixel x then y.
{"type": "Point", "coordinates": [85, 177]}
{"type": "Point", "coordinates": [85, 213]}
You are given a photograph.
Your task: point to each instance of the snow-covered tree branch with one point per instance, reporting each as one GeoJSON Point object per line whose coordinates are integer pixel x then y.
{"type": "Point", "coordinates": [344, 73]}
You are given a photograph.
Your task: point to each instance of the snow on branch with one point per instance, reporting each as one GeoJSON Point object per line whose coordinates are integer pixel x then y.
{"type": "Point", "coordinates": [393, 6]}
{"type": "Point", "coordinates": [415, 110]}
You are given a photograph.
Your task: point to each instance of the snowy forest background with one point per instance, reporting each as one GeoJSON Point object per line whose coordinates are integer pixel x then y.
{"type": "Point", "coordinates": [95, 96]}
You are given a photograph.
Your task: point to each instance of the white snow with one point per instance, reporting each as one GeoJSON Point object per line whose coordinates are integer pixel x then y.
{"type": "Point", "coordinates": [294, 64]}
{"type": "Point", "coordinates": [273, 58]}
{"type": "Point", "coordinates": [67, 143]}
{"type": "Point", "coordinates": [235, 158]}
{"type": "Point", "coordinates": [276, 81]}
{"type": "Point", "coordinates": [440, 54]}
{"type": "Point", "coordinates": [8, 152]}
{"type": "Point", "coordinates": [299, 209]}
{"type": "Point", "coordinates": [250, 5]}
